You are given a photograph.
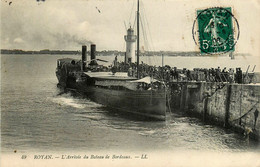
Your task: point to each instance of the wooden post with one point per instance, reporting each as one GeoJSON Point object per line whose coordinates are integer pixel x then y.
{"type": "Point", "coordinates": [162, 60]}
{"type": "Point", "coordinates": [228, 99]}
{"type": "Point", "coordinates": [183, 96]}
{"type": "Point", "coordinates": [205, 108]}
{"type": "Point", "coordinates": [231, 55]}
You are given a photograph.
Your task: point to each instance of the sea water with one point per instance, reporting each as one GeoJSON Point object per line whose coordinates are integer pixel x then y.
{"type": "Point", "coordinates": [38, 116]}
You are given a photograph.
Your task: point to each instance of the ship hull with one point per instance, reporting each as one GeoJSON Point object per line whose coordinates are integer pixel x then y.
{"type": "Point", "coordinates": [148, 104]}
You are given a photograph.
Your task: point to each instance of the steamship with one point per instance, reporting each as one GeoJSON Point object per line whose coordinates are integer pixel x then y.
{"type": "Point", "coordinates": [114, 89]}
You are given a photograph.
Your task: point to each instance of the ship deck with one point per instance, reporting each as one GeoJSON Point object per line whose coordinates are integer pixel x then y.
{"type": "Point", "coordinates": [109, 76]}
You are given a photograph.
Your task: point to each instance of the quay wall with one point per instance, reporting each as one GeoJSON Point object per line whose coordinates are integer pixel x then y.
{"type": "Point", "coordinates": [233, 106]}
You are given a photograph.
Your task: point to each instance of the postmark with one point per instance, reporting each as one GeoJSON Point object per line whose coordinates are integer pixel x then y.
{"type": "Point", "coordinates": [215, 30]}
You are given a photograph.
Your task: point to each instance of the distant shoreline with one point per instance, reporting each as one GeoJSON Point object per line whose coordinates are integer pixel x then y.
{"type": "Point", "coordinates": [113, 52]}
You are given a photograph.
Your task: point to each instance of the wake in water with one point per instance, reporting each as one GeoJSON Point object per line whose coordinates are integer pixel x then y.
{"type": "Point", "coordinates": [66, 99]}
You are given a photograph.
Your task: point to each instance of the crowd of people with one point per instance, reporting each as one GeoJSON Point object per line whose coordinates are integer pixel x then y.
{"type": "Point", "coordinates": [168, 73]}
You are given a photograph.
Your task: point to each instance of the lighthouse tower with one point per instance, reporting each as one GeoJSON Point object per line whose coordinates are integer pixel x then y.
{"type": "Point", "coordinates": [130, 39]}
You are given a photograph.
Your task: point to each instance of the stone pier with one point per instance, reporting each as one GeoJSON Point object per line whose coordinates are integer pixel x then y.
{"type": "Point", "coordinates": [233, 106]}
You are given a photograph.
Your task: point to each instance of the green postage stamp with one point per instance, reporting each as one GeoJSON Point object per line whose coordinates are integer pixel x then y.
{"type": "Point", "coordinates": [215, 30]}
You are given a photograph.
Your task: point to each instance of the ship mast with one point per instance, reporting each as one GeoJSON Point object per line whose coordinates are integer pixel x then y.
{"type": "Point", "coordinates": [138, 72]}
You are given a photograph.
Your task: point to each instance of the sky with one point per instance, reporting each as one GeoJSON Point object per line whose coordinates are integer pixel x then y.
{"type": "Point", "coordinates": [67, 24]}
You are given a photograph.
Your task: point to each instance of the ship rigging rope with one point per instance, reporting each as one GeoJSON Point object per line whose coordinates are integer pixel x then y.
{"type": "Point", "coordinates": [145, 40]}
{"type": "Point", "coordinates": [145, 18]}
{"type": "Point", "coordinates": [145, 27]}
{"type": "Point", "coordinates": [240, 117]}
{"type": "Point", "coordinates": [134, 24]}
{"type": "Point", "coordinates": [130, 17]}
{"type": "Point", "coordinates": [151, 59]}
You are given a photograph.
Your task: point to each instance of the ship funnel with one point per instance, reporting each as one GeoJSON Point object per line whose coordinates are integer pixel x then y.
{"type": "Point", "coordinates": [83, 58]}
{"type": "Point", "coordinates": [93, 52]}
